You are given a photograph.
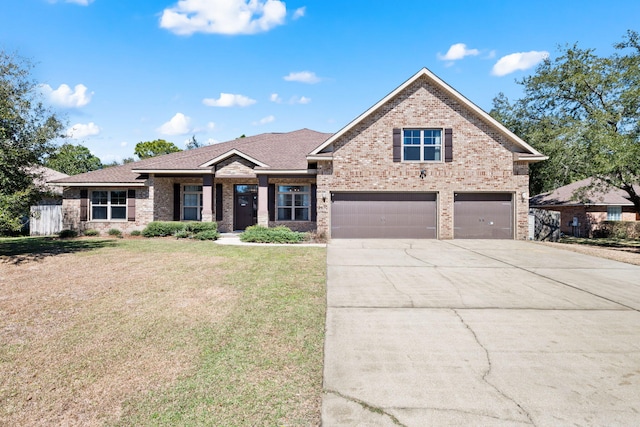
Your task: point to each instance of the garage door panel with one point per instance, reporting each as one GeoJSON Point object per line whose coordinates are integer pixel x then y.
{"type": "Point", "coordinates": [483, 216]}
{"type": "Point", "coordinates": [383, 215]}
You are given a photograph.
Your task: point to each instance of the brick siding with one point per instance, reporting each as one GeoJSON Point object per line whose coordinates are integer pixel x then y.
{"type": "Point", "coordinates": [482, 157]}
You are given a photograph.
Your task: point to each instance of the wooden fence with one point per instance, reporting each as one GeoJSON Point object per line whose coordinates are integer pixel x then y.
{"type": "Point", "coordinates": [45, 220]}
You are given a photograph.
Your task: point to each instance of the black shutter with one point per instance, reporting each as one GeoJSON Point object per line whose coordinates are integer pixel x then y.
{"type": "Point", "coordinates": [272, 202]}
{"type": "Point", "coordinates": [131, 205]}
{"type": "Point", "coordinates": [176, 202]}
{"type": "Point", "coordinates": [84, 205]}
{"type": "Point", "coordinates": [218, 202]}
{"type": "Point", "coordinates": [448, 145]}
{"type": "Point", "coordinates": [397, 145]}
{"type": "Point", "coordinates": [314, 201]}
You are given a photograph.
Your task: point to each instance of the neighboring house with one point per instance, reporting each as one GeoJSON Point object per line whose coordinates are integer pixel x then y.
{"type": "Point", "coordinates": [424, 162]}
{"type": "Point", "coordinates": [582, 210]}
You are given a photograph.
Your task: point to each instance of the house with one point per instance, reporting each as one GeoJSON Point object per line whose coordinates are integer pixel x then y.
{"type": "Point", "coordinates": [423, 162]}
{"type": "Point", "coordinates": [45, 218]}
{"type": "Point", "coordinates": [582, 210]}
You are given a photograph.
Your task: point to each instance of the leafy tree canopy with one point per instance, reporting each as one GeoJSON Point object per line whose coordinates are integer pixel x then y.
{"type": "Point", "coordinates": [27, 129]}
{"type": "Point", "coordinates": [73, 159]}
{"type": "Point", "coordinates": [582, 111]}
{"type": "Point", "coordinates": [158, 147]}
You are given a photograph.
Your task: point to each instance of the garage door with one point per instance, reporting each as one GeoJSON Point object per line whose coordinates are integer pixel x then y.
{"type": "Point", "coordinates": [383, 215]}
{"type": "Point", "coordinates": [483, 216]}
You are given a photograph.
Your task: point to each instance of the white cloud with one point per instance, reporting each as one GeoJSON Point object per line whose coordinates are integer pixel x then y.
{"type": "Point", "coordinates": [124, 144]}
{"type": "Point", "coordinates": [64, 96]}
{"type": "Point", "coordinates": [211, 126]}
{"type": "Point", "coordinates": [299, 100]}
{"type": "Point", "coordinates": [299, 13]}
{"type": "Point", "coordinates": [81, 130]}
{"type": "Point", "coordinates": [229, 100]}
{"type": "Point", "coordinates": [178, 125]}
{"type": "Point", "coordinates": [223, 16]}
{"type": "Point", "coordinates": [302, 77]}
{"type": "Point", "coordinates": [264, 121]}
{"type": "Point", "coordinates": [457, 51]}
{"type": "Point", "coordinates": [275, 98]}
{"type": "Point", "coordinates": [518, 61]}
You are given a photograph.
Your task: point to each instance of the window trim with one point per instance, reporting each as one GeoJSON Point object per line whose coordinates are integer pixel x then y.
{"type": "Point", "coordinates": [292, 209]}
{"type": "Point", "coordinates": [109, 206]}
{"type": "Point", "coordinates": [422, 145]}
{"type": "Point", "coordinates": [199, 207]}
{"type": "Point", "coordinates": [614, 211]}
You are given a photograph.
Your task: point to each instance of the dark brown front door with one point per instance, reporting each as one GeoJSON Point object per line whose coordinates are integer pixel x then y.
{"type": "Point", "coordinates": [246, 206]}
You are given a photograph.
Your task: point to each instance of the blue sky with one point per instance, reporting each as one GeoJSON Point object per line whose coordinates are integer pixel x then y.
{"type": "Point", "coordinates": [124, 71]}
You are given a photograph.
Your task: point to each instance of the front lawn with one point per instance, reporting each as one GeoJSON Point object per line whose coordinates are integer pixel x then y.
{"type": "Point", "coordinates": [159, 332]}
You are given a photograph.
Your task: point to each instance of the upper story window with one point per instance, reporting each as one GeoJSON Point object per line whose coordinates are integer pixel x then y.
{"type": "Point", "coordinates": [422, 145]}
{"type": "Point", "coordinates": [109, 205]}
{"type": "Point", "coordinates": [614, 213]}
{"type": "Point", "coordinates": [293, 202]}
{"type": "Point", "coordinates": [192, 203]}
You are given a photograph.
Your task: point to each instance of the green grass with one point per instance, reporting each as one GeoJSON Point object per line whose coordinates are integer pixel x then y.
{"type": "Point", "coordinates": [257, 362]}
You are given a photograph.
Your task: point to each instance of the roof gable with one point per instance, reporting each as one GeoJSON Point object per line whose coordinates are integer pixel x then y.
{"type": "Point", "coordinates": [529, 154]}
{"type": "Point", "coordinates": [231, 153]}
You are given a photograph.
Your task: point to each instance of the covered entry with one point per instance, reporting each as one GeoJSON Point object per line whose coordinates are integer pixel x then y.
{"type": "Point", "coordinates": [383, 215]}
{"type": "Point", "coordinates": [483, 216]}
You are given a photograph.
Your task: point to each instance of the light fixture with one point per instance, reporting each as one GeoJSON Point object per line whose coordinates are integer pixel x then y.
{"type": "Point", "coordinates": [524, 196]}
{"type": "Point", "coordinates": [423, 173]}
{"type": "Point", "coordinates": [324, 196]}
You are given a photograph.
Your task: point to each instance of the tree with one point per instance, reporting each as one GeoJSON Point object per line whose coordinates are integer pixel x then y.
{"type": "Point", "coordinates": [27, 129]}
{"type": "Point", "coordinates": [147, 149]}
{"type": "Point", "coordinates": [582, 111]}
{"type": "Point", "coordinates": [73, 159]}
{"type": "Point", "coordinates": [194, 143]}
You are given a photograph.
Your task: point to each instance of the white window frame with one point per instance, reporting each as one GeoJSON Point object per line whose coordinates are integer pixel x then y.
{"type": "Point", "coordinates": [187, 191]}
{"type": "Point", "coordinates": [297, 201]}
{"type": "Point", "coordinates": [614, 213]}
{"type": "Point", "coordinates": [422, 145]}
{"type": "Point", "coordinates": [109, 205]}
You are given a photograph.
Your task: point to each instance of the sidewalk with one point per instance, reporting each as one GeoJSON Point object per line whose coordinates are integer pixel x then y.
{"type": "Point", "coordinates": [234, 239]}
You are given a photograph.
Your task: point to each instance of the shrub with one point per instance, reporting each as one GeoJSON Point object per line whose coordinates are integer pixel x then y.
{"type": "Point", "coordinates": [199, 227]}
{"type": "Point", "coordinates": [182, 234]}
{"type": "Point", "coordinates": [207, 235]}
{"type": "Point", "coordinates": [163, 228]}
{"type": "Point", "coordinates": [136, 233]}
{"type": "Point", "coordinates": [91, 232]}
{"type": "Point", "coordinates": [67, 234]}
{"type": "Point", "coordinates": [618, 230]}
{"type": "Point", "coordinates": [114, 232]}
{"type": "Point", "coordinates": [280, 234]}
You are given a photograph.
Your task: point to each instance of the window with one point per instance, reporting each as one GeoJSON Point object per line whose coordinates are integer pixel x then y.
{"type": "Point", "coordinates": [422, 145]}
{"type": "Point", "coordinates": [108, 205]}
{"type": "Point", "coordinates": [614, 213]}
{"type": "Point", "coordinates": [293, 202]}
{"type": "Point", "coordinates": [192, 203]}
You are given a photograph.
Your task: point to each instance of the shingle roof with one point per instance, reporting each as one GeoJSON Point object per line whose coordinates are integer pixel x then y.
{"type": "Point", "coordinates": [564, 196]}
{"type": "Point", "coordinates": [286, 151]}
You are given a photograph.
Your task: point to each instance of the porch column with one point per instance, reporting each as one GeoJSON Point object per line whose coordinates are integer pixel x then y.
{"type": "Point", "coordinates": [207, 198]}
{"type": "Point", "coordinates": [263, 200]}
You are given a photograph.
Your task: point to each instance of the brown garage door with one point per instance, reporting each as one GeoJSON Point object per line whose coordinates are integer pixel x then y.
{"type": "Point", "coordinates": [483, 216]}
{"type": "Point", "coordinates": [383, 215]}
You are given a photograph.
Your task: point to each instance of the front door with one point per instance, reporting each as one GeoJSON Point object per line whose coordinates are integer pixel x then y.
{"type": "Point", "coordinates": [245, 213]}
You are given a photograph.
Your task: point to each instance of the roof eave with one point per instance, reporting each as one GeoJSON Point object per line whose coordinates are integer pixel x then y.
{"type": "Point", "coordinates": [448, 89]}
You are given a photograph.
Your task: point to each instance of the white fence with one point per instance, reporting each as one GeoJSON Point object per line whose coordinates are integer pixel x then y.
{"type": "Point", "coordinates": [45, 220]}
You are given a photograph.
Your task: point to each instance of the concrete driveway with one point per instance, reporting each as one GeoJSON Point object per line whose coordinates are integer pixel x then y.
{"type": "Point", "coordinates": [479, 332]}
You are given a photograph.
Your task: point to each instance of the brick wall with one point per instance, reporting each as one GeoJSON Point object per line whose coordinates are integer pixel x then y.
{"type": "Point", "coordinates": [589, 217]}
{"type": "Point", "coordinates": [482, 157]}
{"type": "Point", "coordinates": [71, 212]}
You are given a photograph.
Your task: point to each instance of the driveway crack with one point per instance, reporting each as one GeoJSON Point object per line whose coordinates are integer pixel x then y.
{"type": "Point", "coordinates": [395, 287]}
{"type": "Point", "coordinates": [490, 367]}
{"type": "Point", "coordinates": [368, 407]}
